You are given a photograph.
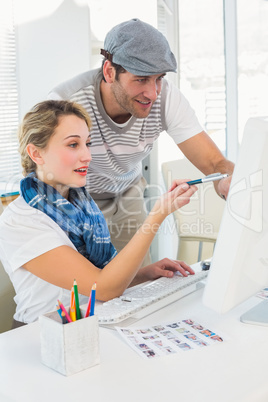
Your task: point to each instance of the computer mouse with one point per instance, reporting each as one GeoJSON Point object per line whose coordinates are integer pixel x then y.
{"type": "Point", "coordinates": [205, 265]}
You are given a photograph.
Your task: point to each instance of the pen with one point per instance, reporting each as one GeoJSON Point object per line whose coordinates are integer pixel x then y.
{"type": "Point", "coordinates": [211, 177]}
{"type": "Point", "coordinates": [10, 194]}
{"type": "Point", "coordinates": [92, 299]}
{"type": "Point", "coordinates": [76, 296]}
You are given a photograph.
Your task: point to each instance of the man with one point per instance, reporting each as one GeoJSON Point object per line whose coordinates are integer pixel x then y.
{"type": "Point", "coordinates": [130, 103]}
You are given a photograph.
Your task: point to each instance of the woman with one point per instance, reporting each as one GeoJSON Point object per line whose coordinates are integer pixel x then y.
{"type": "Point", "coordinates": [54, 232]}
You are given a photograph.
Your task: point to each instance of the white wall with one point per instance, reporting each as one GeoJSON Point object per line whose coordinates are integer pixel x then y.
{"type": "Point", "coordinates": [53, 42]}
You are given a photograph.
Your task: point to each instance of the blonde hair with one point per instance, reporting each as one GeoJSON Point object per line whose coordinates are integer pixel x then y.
{"type": "Point", "coordinates": [39, 125]}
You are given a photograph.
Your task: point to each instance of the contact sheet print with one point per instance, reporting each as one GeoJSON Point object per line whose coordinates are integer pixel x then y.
{"type": "Point", "coordinates": [263, 294]}
{"type": "Point", "coordinates": [169, 338]}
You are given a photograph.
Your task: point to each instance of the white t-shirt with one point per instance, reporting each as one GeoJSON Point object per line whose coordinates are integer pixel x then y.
{"type": "Point", "coordinates": [26, 233]}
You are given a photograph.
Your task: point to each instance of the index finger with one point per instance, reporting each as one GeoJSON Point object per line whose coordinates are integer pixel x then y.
{"type": "Point", "coordinates": [176, 183]}
{"type": "Point", "coordinates": [186, 267]}
{"type": "Point", "coordinates": [180, 266]}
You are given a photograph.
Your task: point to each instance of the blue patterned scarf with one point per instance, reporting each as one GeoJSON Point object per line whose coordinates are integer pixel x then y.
{"type": "Point", "coordinates": [79, 217]}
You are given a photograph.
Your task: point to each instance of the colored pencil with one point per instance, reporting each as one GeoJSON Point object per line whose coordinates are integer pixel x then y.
{"type": "Point", "coordinates": [88, 306]}
{"type": "Point", "coordinates": [63, 318]}
{"type": "Point", "coordinates": [92, 297]}
{"type": "Point", "coordinates": [59, 310]}
{"type": "Point", "coordinates": [72, 306]}
{"type": "Point", "coordinates": [72, 313]}
{"type": "Point", "coordinates": [65, 311]}
{"type": "Point", "coordinates": [76, 296]}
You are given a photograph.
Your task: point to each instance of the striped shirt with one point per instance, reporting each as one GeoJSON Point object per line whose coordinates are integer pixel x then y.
{"type": "Point", "coordinates": [118, 150]}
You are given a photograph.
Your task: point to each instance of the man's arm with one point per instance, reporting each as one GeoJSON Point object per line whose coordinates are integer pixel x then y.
{"type": "Point", "coordinates": [206, 156]}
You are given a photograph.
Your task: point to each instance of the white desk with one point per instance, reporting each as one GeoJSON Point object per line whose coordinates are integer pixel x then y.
{"type": "Point", "coordinates": [233, 371]}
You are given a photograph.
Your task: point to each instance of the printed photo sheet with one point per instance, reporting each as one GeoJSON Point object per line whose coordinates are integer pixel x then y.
{"type": "Point", "coordinates": [173, 337]}
{"type": "Point", "coordinates": [263, 294]}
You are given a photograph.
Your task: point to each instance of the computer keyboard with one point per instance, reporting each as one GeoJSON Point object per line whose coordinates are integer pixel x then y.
{"type": "Point", "coordinates": [146, 298]}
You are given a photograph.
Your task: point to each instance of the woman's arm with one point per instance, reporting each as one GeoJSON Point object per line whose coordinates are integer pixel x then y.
{"type": "Point", "coordinates": [165, 267]}
{"type": "Point", "coordinates": [62, 265]}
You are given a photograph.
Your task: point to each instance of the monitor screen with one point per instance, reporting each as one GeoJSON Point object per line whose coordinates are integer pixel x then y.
{"type": "Point", "coordinates": [239, 267]}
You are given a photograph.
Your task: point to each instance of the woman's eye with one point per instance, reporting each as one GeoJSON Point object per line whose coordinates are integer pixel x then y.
{"type": "Point", "coordinates": [73, 145]}
{"type": "Point", "coordinates": [88, 144]}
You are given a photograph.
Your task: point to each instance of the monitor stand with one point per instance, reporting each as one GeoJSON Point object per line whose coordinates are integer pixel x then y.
{"type": "Point", "coordinates": [258, 315]}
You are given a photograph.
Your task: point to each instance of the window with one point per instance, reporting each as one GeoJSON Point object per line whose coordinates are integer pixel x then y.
{"type": "Point", "coordinates": [202, 63]}
{"type": "Point", "coordinates": [252, 39]}
{"type": "Point", "coordinates": [9, 158]}
{"type": "Point", "coordinates": [196, 37]}
{"type": "Point", "coordinates": [223, 58]}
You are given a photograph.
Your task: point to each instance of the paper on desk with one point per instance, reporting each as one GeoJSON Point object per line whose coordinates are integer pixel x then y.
{"type": "Point", "coordinates": [173, 337]}
{"type": "Point", "coordinates": [263, 294]}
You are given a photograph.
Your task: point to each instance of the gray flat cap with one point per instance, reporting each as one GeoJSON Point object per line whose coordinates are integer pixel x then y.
{"type": "Point", "coordinates": [139, 48]}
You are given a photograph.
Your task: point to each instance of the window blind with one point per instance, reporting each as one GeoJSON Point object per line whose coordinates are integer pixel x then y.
{"type": "Point", "coordinates": [9, 156]}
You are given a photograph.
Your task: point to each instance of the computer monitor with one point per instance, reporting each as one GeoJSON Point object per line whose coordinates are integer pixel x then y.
{"type": "Point", "coordinates": [239, 267]}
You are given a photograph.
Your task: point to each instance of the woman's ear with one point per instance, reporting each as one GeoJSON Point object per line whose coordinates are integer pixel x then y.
{"type": "Point", "coordinates": [35, 154]}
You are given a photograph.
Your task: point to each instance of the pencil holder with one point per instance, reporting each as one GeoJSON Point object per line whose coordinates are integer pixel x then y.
{"type": "Point", "coordinates": [69, 348]}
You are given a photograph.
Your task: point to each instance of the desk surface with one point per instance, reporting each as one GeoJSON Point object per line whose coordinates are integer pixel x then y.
{"type": "Point", "coordinates": [233, 371]}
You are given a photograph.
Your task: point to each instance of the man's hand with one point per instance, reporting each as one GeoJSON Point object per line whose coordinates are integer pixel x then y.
{"type": "Point", "coordinates": [223, 187]}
